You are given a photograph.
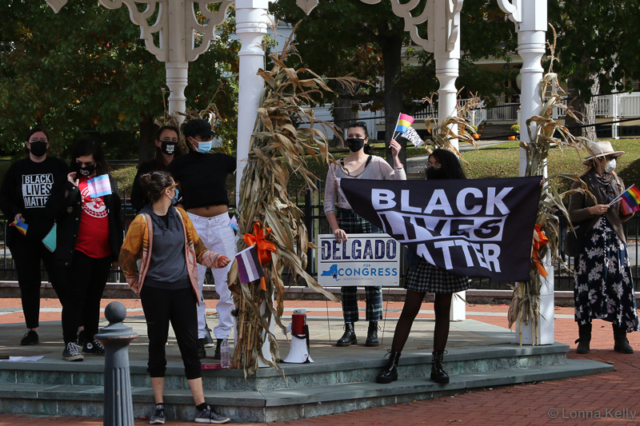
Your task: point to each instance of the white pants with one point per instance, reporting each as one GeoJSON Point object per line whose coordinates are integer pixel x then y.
{"type": "Point", "coordinates": [217, 235]}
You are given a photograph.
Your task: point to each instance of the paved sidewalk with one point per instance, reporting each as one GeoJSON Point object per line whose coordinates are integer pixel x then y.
{"type": "Point", "coordinates": [614, 397]}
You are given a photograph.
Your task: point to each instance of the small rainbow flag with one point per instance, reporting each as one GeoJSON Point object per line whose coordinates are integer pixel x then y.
{"type": "Point", "coordinates": [404, 122]}
{"type": "Point", "coordinates": [630, 200]}
{"type": "Point", "coordinates": [20, 226]}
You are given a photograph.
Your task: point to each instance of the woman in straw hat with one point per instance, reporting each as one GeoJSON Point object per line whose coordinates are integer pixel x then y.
{"type": "Point", "coordinates": [603, 283]}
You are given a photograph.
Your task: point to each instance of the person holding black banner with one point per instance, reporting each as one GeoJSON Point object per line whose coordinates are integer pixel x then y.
{"type": "Point", "coordinates": [425, 278]}
{"type": "Point", "coordinates": [359, 164]}
{"type": "Point", "coordinates": [603, 281]}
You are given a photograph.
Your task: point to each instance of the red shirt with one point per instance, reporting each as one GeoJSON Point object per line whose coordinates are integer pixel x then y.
{"type": "Point", "coordinates": [93, 236]}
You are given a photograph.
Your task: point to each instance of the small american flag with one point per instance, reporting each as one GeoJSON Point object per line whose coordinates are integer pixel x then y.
{"type": "Point", "coordinates": [249, 267]}
{"type": "Point", "coordinates": [99, 186]}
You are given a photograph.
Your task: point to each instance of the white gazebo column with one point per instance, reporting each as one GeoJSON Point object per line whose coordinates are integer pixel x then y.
{"type": "Point", "coordinates": [251, 27]}
{"type": "Point", "coordinates": [530, 17]}
{"type": "Point", "coordinates": [177, 80]}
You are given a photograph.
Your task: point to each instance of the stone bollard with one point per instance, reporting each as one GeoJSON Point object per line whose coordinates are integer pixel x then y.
{"type": "Point", "coordinates": [118, 407]}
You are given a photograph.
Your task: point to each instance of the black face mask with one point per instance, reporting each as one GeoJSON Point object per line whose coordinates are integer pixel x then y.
{"type": "Point", "coordinates": [38, 149]}
{"type": "Point", "coordinates": [168, 148]}
{"type": "Point", "coordinates": [355, 144]}
{"type": "Point", "coordinates": [86, 170]}
{"type": "Point", "coordinates": [433, 173]}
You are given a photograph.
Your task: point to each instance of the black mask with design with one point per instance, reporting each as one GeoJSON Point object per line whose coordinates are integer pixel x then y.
{"type": "Point", "coordinates": [433, 173]}
{"type": "Point", "coordinates": [86, 170]}
{"type": "Point", "coordinates": [355, 144]}
{"type": "Point", "coordinates": [168, 148]}
{"type": "Point", "coordinates": [38, 149]}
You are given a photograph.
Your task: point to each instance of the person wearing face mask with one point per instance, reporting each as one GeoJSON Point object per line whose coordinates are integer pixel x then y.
{"type": "Point", "coordinates": [202, 179]}
{"type": "Point", "coordinates": [423, 278]}
{"type": "Point", "coordinates": [23, 196]}
{"type": "Point", "coordinates": [603, 282]}
{"type": "Point", "coordinates": [164, 239]}
{"type": "Point", "coordinates": [89, 237]}
{"type": "Point", "coordinates": [168, 147]}
{"type": "Point", "coordinates": [358, 164]}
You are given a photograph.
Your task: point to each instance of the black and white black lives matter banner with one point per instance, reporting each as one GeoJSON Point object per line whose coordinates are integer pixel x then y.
{"type": "Point", "coordinates": [36, 190]}
{"type": "Point", "coordinates": [472, 227]}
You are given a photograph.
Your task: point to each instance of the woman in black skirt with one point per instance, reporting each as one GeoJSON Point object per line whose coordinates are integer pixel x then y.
{"type": "Point", "coordinates": [425, 278]}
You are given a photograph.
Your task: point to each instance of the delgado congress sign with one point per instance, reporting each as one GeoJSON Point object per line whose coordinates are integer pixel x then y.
{"type": "Point", "coordinates": [366, 259]}
{"type": "Point", "coordinates": [473, 227]}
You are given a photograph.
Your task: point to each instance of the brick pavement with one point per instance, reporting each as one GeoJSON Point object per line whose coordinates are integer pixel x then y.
{"type": "Point", "coordinates": [521, 405]}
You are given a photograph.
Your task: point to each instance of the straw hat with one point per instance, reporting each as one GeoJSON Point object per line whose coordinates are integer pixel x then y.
{"type": "Point", "coordinates": [601, 149]}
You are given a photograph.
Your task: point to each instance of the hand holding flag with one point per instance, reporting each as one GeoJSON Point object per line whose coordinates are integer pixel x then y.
{"type": "Point", "coordinates": [20, 225]}
{"type": "Point", "coordinates": [630, 200]}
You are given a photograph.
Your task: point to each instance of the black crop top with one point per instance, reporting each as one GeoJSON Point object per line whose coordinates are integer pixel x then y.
{"type": "Point", "coordinates": [203, 178]}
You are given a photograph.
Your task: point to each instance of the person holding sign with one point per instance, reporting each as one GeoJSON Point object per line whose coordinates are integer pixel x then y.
{"type": "Point", "coordinates": [424, 278]}
{"type": "Point", "coordinates": [164, 239]}
{"type": "Point", "coordinates": [168, 147]}
{"type": "Point", "coordinates": [23, 196]}
{"type": "Point", "coordinates": [89, 237]}
{"type": "Point", "coordinates": [358, 164]}
{"type": "Point", "coordinates": [603, 281]}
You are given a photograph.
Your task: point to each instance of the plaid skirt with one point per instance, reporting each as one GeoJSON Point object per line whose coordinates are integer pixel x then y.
{"type": "Point", "coordinates": [430, 279]}
{"type": "Point", "coordinates": [352, 223]}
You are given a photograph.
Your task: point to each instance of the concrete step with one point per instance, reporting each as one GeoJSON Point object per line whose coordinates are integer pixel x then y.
{"type": "Point", "coordinates": [280, 404]}
{"type": "Point", "coordinates": [325, 371]}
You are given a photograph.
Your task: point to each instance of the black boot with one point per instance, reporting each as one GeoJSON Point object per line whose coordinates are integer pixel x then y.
{"type": "Point", "coordinates": [216, 355]}
{"type": "Point", "coordinates": [372, 334]}
{"type": "Point", "coordinates": [438, 374]}
{"type": "Point", "coordinates": [584, 331]}
{"type": "Point", "coordinates": [390, 373]}
{"type": "Point", "coordinates": [349, 336]}
{"type": "Point", "coordinates": [622, 344]}
{"type": "Point", "coordinates": [201, 352]}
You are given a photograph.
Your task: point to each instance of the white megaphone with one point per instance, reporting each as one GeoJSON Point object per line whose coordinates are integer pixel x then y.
{"type": "Point", "coordinates": [299, 352]}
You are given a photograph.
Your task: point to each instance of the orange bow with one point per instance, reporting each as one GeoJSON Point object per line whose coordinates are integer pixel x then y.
{"type": "Point", "coordinates": [539, 240]}
{"type": "Point", "coordinates": [263, 247]}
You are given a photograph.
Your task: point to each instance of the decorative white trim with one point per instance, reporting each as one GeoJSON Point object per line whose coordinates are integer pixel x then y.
{"type": "Point", "coordinates": [513, 9]}
{"type": "Point", "coordinates": [56, 5]}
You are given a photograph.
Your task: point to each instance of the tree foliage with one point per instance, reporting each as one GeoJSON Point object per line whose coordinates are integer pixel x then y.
{"type": "Point", "coordinates": [85, 69]}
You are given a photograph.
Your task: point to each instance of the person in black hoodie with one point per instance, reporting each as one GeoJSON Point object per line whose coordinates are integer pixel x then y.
{"type": "Point", "coordinates": [23, 196]}
{"type": "Point", "coordinates": [89, 238]}
{"type": "Point", "coordinates": [168, 147]}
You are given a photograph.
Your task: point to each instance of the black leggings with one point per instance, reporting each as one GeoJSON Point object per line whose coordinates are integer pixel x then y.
{"type": "Point", "coordinates": [180, 307]}
{"type": "Point", "coordinates": [412, 304]}
{"type": "Point", "coordinates": [86, 280]}
{"type": "Point", "coordinates": [27, 256]}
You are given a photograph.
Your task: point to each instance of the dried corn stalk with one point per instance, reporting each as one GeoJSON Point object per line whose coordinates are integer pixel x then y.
{"type": "Point", "coordinates": [278, 150]}
{"type": "Point", "coordinates": [442, 134]}
{"type": "Point", "coordinates": [525, 305]}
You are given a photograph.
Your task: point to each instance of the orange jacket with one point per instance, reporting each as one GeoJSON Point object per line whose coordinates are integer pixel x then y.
{"type": "Point", "coordinates": [138, 244]}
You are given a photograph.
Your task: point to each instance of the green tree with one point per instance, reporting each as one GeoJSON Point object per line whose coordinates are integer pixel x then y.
{"type": "Point", "coordinates": [368, 41]}
{"type": "Point", "coordinates": [598, 45]}
{"type": "Point", "coordinates": [85, 68]}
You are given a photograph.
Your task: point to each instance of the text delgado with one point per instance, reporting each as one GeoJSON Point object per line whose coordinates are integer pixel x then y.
{"type": "Point", "coordinates": [374, 250]}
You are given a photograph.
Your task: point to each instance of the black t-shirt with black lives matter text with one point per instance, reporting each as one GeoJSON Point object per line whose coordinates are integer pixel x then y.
{"type": "Point", "coordinates": [26, 188]}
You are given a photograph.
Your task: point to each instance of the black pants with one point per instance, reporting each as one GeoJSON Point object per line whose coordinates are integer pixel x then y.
{"type": "Point", "coordinates": [180, 307]}
{"type": "Point", "coordinates": [27, 255]}
{"type": "Point", "coordinates": [86, 279]}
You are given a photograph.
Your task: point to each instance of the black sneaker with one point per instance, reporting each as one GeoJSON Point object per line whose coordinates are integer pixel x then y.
{"type": "Point", "coordinates": [158, 418]}
{"type": "Point", "coordinates": [208, 415]}
{"type": "Point", "coordinates": [201, 352]}
{"type": "Point", "coordinates": [30, 338]}
{"type": "Point", "coordinates": [93, 347]}
{"type": "Point", "coordinates": [72, 353]}
{"type": "Point", "coordinates": [216, 355]}
{"type": "Point", "coordinates": [208, 340]}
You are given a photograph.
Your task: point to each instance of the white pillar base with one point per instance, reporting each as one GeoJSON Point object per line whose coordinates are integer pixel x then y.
{"type": "Point", "coordinates": [266, 353]}
{"type": "Point", "coordinates": [546, 330]}
{"type": "Point", "coordinates": [458, 307]}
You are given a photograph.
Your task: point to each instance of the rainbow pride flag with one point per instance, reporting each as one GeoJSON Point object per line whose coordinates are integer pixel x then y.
{"type": "Point", "coordinates": [404, 122]}
{"type": "Point", "coordinates": [20, 226]}
{"type": "Point", "coordinates": [630, 200]}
